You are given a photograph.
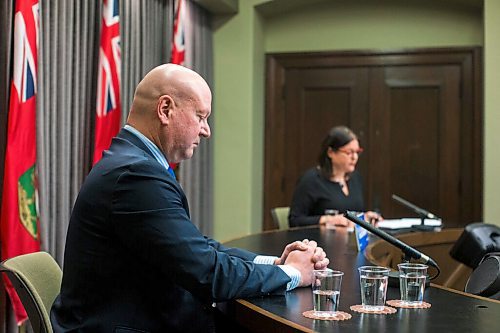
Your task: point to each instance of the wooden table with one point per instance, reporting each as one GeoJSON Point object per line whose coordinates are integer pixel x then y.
{"type": "Point", "coordinates": [451, 311]}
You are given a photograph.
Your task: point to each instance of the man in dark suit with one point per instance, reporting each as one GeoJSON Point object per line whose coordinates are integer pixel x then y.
{"type": "Point", "coordinates": [134, 262]}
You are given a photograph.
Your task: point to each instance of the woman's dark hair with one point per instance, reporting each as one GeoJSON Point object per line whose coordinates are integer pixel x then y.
{"type": "Point", "coordinates": [337, 137]}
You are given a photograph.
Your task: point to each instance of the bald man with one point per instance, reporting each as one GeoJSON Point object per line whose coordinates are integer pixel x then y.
{"type": "Point", "coordinates": [134, 262]}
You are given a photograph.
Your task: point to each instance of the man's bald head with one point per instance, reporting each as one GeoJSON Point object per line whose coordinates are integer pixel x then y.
{"type": "Point", "coordinates": [169, 79]}
{"type": "Point", "coordinates": [171, 107]}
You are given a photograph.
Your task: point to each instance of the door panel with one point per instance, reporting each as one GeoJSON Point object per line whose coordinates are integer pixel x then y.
{"type": "Point", "coordinates": [315, 101]}
{"type": "Point", "coordinates": [420, 112]}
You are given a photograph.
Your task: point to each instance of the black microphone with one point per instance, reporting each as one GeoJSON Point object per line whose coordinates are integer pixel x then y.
{"type": "Point", "coordinates": [409, 251]}
{"type": "Point", "coordinates": [420, 211]}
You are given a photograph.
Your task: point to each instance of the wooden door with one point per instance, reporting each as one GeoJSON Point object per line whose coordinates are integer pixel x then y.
{"type": "Point", "coordinates": [315, 99]}
{"type": "Point", "coordinates": [417, 113]}
{"type": "Point", "coordinates": [416, 139]}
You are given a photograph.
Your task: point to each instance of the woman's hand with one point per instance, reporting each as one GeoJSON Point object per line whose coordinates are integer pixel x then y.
{"type": "Point", "coordinates": [373, 217]}
{"type": "Point", "coordinates": [335, 220]}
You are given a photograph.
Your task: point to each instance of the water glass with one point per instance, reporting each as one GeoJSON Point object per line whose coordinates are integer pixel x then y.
{"type": "Point", "coordinates": [412, 282]}
{"type": "Point", "coordinates": [326, 292]}
{"type": "Point", "coordinates": [373, 281]}
{"type": "Point", "coordinates": [331, 212]}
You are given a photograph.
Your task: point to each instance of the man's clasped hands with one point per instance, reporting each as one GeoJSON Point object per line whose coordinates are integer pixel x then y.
{"type": "Point", "coordinates": [305, 256]}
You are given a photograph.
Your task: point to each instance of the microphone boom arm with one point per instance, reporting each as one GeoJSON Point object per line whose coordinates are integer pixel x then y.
{"type": "Point", "coordinates": [420, 211]}
{"type": "Point", "coordinates": [408, 251]}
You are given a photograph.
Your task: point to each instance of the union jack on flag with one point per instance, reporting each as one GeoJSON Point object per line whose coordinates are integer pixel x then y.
{"type": "Point", "coordinates": [108, 109]}
{"type": "Point", "coordinates": [25, 55]}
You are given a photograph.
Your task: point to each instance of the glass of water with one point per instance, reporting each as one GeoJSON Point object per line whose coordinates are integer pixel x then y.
{"type": "Point", "coordinates": [373, 281]}
{"type": "Point", "coordinates": [332, 212]}
{"type": "Point", "coordinates": [326, 292]}
{"type": "Point", "coordinates": [412, 282]}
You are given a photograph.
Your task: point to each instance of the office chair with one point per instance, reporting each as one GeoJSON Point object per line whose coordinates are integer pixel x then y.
{"type": "Point", "coordinates": [280, 217]}
{"type": "Point", "coordinates": [36, 278]}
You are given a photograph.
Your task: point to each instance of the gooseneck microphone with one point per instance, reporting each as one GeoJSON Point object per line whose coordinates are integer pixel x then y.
{"type": "Point", "coordinates": [410, 252]}
{"type": "Point", "coordinates": [420, 211]}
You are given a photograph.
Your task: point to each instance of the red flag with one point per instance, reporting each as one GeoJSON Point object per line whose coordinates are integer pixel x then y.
{"type": "Point", "coordinates": [20, 232]}
{"type": "Point", "coordinates": [178, 34]}
{"type": "Point", "coordinates": [107, 123]}
{"type": "Point", "coordinates": [177, 44]}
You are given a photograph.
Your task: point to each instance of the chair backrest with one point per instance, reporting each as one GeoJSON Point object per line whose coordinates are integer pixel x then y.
{"type": "Point", "coordinates": [280, 217]}
{"type": "Point", "coordinates": [37, 279]}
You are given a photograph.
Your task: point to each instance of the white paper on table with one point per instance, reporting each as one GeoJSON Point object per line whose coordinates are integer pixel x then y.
{"type": "Point", "coordinates": [407, 223]}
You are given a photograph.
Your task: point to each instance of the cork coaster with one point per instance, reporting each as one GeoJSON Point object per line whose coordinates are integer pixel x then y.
{"type": "Point", "coordinates": [339, 315]}
{"type": "Point", "coordinates": [361, 309]}
{"type": "Point", "coordinates": [400, 304]}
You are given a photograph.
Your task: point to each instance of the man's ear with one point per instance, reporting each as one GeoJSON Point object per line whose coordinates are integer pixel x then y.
{"type": "Point", "coordinates": [164, 108]}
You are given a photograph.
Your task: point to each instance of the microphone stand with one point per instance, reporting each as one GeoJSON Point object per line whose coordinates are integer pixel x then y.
{"type": "Point", "coordinates": [422, 213]}
{"type": "Point", "coordinates": [408, 251]}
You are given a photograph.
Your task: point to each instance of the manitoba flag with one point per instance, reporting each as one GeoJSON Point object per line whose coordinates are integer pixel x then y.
{"type": "Point", "coordinates": [108, 109]}
{"type": "Point", "coordinates": [19, 218]}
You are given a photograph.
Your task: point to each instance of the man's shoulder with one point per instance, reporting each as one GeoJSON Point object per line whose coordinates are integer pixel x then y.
{"type": "Point", "coordinates": [125, 162]}
{"type": "Point", "coordinates": [124, 153]}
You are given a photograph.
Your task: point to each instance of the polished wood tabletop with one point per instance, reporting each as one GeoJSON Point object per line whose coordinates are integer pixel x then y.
{"type": "Point", "coordinates": [451, 311]}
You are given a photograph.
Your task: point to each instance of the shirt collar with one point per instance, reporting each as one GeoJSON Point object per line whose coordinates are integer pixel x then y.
{"type": "Point", "coordinates": [157, 154]}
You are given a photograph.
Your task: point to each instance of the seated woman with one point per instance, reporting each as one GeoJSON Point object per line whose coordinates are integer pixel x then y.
{"type": "Point", "coordinates": [333, 186]}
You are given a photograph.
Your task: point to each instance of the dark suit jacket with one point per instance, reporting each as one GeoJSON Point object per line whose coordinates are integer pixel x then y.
{"type": "Point", "coordinates": [134, 262]}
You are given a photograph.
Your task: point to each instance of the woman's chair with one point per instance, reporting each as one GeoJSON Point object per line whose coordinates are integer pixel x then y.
{"type": "Point", "coordinates": [280, 217]}
{"type": "Point", "coordinates": [37, 279]}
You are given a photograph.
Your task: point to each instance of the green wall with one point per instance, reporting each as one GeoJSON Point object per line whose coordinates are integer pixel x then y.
{"type": "Point", "coordinates": [341, 25]}
{"type": "Point", "coordinates": [238, 123]}
{"type": "Point", "coordinates": [240, 44]}
{"type": "Point", "coordinates": [491, 111]}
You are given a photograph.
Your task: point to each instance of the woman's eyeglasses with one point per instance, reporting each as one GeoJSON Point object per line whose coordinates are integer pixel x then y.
{"type": "Point", "coordinates": [351, 152]}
